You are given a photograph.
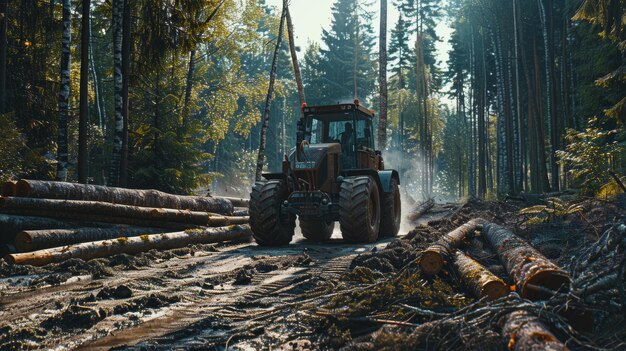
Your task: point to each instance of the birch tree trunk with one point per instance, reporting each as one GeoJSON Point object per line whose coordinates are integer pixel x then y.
{"type": "Point", "coordinates": [270, 92]}
{"type": "Point", "coordinates": [64, 94]}
{"type": "Point", "coordinates": [118, 136]}
{"type": "Point", "coordinates": [83, 118]}
{"type": "Point", "coordinates": [294, 61]}
{"type": "Point", "coordinates": [100, 109]}
{"type": "Point", "coordinates": [382, 77]}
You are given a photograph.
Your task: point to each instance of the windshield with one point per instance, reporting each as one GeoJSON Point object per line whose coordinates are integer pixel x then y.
{"type": "Point", "coordinates": [340, 128]}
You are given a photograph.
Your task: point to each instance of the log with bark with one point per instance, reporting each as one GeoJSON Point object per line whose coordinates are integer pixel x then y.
{"type": "Point", "coordinates": [436, 255]}
{"type": "Point", "coordinates": [480, 281]}
{"type": "Point", "coordinates": [525, 332]}
{"type": "Point", "coordinates": [119, 214]}
{"type": "Point", "coordinates": [420, 210]}
{"type": "Point", "coordinates": [133, 197]}
{"type": "Point", "coordinates": [133, 245]}
{"type": "Point", "coordinates": [10, 225]}
{"type": "Point", "coordinates": [31, 240]}
{"type": "Point", "coordinates": [8, 188]}
{"type": "Point", "coordinates": [236, 201]}
{"type": "Point", "coordinates": [534, 275]}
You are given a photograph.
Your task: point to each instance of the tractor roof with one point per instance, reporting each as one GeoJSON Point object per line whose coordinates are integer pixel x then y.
{"type": "Point", "coordinates": [337, 108]}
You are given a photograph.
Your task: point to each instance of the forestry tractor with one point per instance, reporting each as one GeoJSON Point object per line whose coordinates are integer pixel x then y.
{"type": "Point", "coordinates": [333, 174]}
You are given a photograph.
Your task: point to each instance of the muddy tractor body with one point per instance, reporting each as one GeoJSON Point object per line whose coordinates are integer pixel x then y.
{"type": "Point", "coordinates": [334, 174]}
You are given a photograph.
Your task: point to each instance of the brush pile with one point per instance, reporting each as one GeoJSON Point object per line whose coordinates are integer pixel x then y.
{"type": "Point", "coordinates": [469, 282]}
{"type": "Point", "coordinates": [45, 222]}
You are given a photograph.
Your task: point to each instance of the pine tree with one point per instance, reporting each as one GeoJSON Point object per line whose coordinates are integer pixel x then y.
{"type": "Point", "coordinates": [400, 55]}
{"type": "Point", "coordinates": [64, 94]}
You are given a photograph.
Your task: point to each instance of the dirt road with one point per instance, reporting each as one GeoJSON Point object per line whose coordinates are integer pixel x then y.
{"type": "Point", "coordinates": [208, 296]}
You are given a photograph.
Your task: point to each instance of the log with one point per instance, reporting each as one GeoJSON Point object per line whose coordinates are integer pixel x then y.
{"type": "Point", "coordinates": [133, 197]}
{"type": "Point", "coordinates": [241, 212]}
{"type": "Point", "coordinates": [478, 280]}
{"type": "Point", "coordinates": [31, 240]}
{"type": "Point", "coordinates": [10, 225]}
{"type": "Point", "coordinates": [112, 213]}
{"type": "Point", "coordinates": [420, 209]}
{"type": "Point", "coordinates": [236, 201]}
{"type": "Point", "coordinates": [133, 245]}
{"type": "Point", "coordinates": [525, 332]}
{"type": "Point", "coordinates": [436, 255]}
{"type": "Point", "coordinates": [534, 275]}
{"type": "Point", "coordinates": [8, 188]}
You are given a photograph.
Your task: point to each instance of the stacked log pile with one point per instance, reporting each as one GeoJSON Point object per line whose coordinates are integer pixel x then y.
{"type": "Point", "coordinates": [534, 276]}
{"type": "Point", "coordinates": [44, 221]}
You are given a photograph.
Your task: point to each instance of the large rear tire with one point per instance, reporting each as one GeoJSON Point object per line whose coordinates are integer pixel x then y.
{"type": "Point", "coordinates": [269, 227]}
{"type": "Point", "coordinates": [391, 211]}
{"type": "Point", "coordinates": [317, 231]}
{"type": "Point", "coordinates": [359, 209]}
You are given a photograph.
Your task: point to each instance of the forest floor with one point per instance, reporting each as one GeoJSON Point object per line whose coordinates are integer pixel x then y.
{"type": "Point", "coordinates": [304, 296]}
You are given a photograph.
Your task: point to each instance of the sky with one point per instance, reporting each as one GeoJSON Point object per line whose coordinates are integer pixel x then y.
{"type": "Point", "coordinates": [311, 16]}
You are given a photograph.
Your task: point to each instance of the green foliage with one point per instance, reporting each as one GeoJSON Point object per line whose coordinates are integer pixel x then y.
{"type": "Point", "coordinates": [588, 155]}
{"type": "Point", "coordinates": [554, 209]}
{"type": "Point", "coordinates": [13, 151]}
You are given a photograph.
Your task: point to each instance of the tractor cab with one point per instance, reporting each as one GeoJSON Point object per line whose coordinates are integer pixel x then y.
{"type": "Point", "coordinates": [350, 126]}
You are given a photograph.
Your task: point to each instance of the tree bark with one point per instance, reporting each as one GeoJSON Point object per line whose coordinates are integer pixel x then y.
{"type": "Point", "coordinates": [64, 94]}
{"type": "Point", "coordinates": [382, 77]}
{"type": "Point", "coordinates": [436, 255]}
{"type": "Point", "coordinates": [419, 210]}
{"type": "Point", "coordinates": [118, 133]}
{"type": "Point", "coordinates": [294, 61]}
{"type": "Point", "coordinates": [525, 332]}
{"type": "Point", "coordinates": [480, 281]}
{"type": "Point", "coordinates": [10, 225]}
{"type": "Point", "coordinates": [132, 245]}
{"type": "Point", "coordinates": [114, 213]}
{"type": "Point", "coordinates": [83, 119]}
{"type": "Point", "coordinates": [31, 240]}
{"type": "Point", "coordinates": [533, 273]}
{"type": "Point", "coordinates": [9, 188]}
{"type": "Point", "coordinates": [126, 47]}
{"type": "Point", "coordinates": [270, 93]}
{"type": "Point", "coordinates": [3, 55]}
{"type": "Point", "coordinates": [122, 196]}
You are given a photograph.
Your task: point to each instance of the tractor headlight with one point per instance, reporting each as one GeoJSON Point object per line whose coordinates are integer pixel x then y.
{"type": "Point", "coordinates": [324, 201]}
{"type": "Point", "coordinates": [285, 203]}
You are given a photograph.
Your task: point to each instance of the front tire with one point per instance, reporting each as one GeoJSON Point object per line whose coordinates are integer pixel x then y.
{"type": "Point", "coordinates": [359, 209]}
{"type": "Point", "coordinates": [391, 211]}
{"type": "Point", "coordinates": [317, 230]}
{"type": "Point", "coordinates": [269, 227]}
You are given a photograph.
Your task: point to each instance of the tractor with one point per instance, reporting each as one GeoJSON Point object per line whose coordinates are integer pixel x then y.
{"type": "Point", "coordinates": [333, 174]}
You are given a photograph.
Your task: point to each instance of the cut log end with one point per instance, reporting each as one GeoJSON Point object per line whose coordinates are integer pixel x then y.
{"type": "Point", "coordinates": [544, 283]}
{"type": "Point", "coordinates": [494, 290]}
{"type": "Point", "coordinates": [431, 262]}
{"type": "Point", "coordinates": [22, 188]}
{"type": "Point", "coordinates": [8, 188]}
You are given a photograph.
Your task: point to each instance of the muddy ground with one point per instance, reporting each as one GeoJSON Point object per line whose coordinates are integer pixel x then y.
{"type": "Point", "coordinates": [304, 296]}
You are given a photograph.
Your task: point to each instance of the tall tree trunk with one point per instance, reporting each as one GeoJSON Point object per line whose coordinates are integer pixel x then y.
{"type": "Point", "coordinates": [191, 69]}
{"type": "Point", "coordinates": [126, 45]}
{"type": "Point", "coordinates": [482, 142]}
{"type": "Point", "coordinates": [3, 55]}
{"type": "Point", "coordinates": [270, 92]}
{"type": "Point", "coordinates": [294, 62]}
{"type": "Point", "coordinates": [83, 118]}
{"type": "Point", "coordinates": [382, 77]}
{"type": "Point", "coordinates": [64, 94]}
{"type": "Point", "coordinates": [522, 184]}
{"type": "Point", "coordinates": [100, 108]}
{"type": "Point", "coordinates": [118, 136]}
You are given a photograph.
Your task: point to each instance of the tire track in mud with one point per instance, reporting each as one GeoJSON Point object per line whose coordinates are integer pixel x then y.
{"type": "Point", "coordinates": [211, 320]}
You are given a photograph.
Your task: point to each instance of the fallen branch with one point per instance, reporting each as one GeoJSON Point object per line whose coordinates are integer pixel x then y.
{"type": "Point", "coordinates": [133, 197]}
{"type": "Point", "coordinates": [420, 210]}
{"type": "Point", "coordinates": [527, 266]}
{"type": "Point", "coordinates": [525, 332]}
{"type": "Point", "coordinates": [480, 281]}
{"type": "Point", "coordinates": [134, 245]}
{"type": "Point", "coordinates": [435, 256]}
{"type": "Point", "coordinates": [31, 240]}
